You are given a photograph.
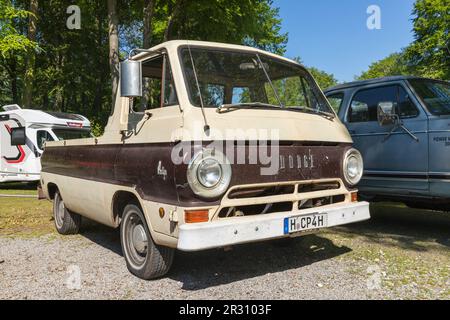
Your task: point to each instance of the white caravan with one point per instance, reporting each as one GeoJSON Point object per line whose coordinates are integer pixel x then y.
{"type": "Point", "coordinates": [23, 133]}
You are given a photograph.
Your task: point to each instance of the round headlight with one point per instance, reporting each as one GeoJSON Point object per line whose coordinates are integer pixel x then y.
{"type": "Point", "coordinates": [209, 174]}
{"type": "Point", "coordinates": [353, 166]}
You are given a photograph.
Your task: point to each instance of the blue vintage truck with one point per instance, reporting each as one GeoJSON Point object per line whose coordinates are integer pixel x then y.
{"type": "Point", "coordinates": [401, 125]}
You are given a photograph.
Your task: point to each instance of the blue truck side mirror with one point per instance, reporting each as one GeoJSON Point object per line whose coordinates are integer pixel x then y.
{"type": "Point", "coordinates": [386, 113]}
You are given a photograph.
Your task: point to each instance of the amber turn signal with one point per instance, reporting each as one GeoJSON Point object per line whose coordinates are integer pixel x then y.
{"type": "Point", "coordinates": [355, 197]}
{"type": "Point", "coordinates": [196, 216]}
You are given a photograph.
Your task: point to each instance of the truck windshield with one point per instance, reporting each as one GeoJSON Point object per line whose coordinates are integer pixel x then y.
{"type": "Point", "coordinates": [250, 80]}
{"type": "Point", "coordinates": [68, 134]}
{"type": "Point", "coordinates": [435, 94]}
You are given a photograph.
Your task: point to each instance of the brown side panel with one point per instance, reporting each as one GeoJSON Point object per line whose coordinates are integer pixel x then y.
{"type": "Point", "coordinates": [149, 168]}
{"type": "Point", "coordinates": [133, 165]}
{"type": "Point", "coordinates": [87, 162]}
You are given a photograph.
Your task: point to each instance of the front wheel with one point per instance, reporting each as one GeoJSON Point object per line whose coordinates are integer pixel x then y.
{"type": "Point", "coordinates": [66, 222]}
{"type": "Point", "coordinates": [144, 258]}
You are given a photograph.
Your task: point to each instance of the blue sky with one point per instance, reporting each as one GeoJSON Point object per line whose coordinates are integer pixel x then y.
{"type": "Point", "coordinates": [332, 35]}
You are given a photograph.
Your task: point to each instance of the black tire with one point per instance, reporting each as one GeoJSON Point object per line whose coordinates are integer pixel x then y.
{"type": "Point", "coordinates": [144, 258]}
{"type": "Point", "coordinates": [66, 222]}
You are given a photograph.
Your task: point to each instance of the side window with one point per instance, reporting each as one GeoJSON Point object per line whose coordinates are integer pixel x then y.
{"type": "Point", "coordinates": [157, 85]}
{"type": "Point", "coordinates": [290, 92]}
{"type": "Point", "coordinates": [170, 94]}
{"type": "Point", "coordinates": [213, 93]}
{"type": "Point", "coordinates": [406, 108]}
{"type": "Point", "coordinates": [293, 92]}
{"type": "Point", "coordinates": [241, 95]}
{"type": "Point", "coordinates": [336, 101]}
{"type": "Point", "coordinates": [41, 137]}
{"type": "Point", "coordinates": [365, 103]}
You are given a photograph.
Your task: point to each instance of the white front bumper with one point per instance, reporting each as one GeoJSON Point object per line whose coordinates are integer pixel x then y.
{"type": "Point", "coordinates": [232, 231]}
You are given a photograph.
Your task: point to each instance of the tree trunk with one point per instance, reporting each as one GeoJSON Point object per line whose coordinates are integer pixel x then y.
{"type": "Point", "coordinates": [174, 15]}
{"type": "Point", "coordinates": [30, 60]}
{"type": "Point", "coordinates": [113, 22]}
{"type": "Point", "coordinates": [149, 8]}
{"type": "Point", "coordinates": [14, 85]}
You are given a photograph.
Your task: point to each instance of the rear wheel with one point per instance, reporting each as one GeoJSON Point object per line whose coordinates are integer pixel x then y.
{"type": "Point", "coordinates": [66, 222]}
{"type": "Point", "coordinates": [144, 258]}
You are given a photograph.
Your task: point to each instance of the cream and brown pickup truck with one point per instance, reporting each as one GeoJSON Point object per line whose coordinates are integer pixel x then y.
{"type": "Point", "coordinates": [209, 145]}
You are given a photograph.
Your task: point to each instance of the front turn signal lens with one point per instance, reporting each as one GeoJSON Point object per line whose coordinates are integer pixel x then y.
{"type": "Point", "coordinates": [196, 216]}
{"type": "Point", "coordinates": [355, 197]}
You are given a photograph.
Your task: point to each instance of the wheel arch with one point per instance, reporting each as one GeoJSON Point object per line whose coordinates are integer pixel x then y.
{"type": "Point", "coordinates": [52, 188]}
{"type": "Point", "coordinates": [120, 200]}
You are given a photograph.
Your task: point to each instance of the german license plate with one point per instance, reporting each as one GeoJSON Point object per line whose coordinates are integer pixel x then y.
{"type": "Point", "coordinates": [305, 223]}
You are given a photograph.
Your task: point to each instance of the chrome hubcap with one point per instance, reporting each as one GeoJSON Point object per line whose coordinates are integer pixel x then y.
{"type": "Point", "coordinates": [139, 239]}
{"type": "Point", "coordinates": [59, 216]}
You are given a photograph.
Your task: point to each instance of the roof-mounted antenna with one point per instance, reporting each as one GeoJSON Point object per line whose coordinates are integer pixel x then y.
{"type": "Point", "coordinates": [202, 105]}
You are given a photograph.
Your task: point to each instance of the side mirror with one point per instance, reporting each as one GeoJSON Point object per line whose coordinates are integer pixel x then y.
{"type": "Point", "coordinates": [386, 113]}
{"type": "Point", "coordinates": [4, 117]}
{"type": "Point", "coordinates": [18, 136]}
{"type": "Point", "coordinates": [131, 79]}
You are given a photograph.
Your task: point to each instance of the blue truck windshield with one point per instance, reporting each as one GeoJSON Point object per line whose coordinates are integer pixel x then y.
{"type": "Point", "coordinates": [435, 94]}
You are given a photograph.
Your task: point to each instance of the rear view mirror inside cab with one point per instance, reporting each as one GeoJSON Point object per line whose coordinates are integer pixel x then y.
{"type": "Point", "coordinates": [18, 136]}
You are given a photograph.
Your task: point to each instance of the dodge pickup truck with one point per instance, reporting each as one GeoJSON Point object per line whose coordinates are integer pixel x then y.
{"type": "Point", "coordinates": [209, 145]}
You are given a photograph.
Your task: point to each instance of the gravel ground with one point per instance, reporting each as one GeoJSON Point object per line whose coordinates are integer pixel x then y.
{"type": "Point", "coordinates": [380, 259]}
{"type": "Point", "coordinates": [42, 268]}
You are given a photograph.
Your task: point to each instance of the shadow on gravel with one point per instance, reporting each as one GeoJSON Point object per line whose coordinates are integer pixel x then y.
{"type": "Point", "coordinates": [394, 224]}
{"type": "Point", "coordinates": [212, 268]}
{"type": "Point", "coordinates": [200, 270]}
{"type": "Point", "coordinates": [106, 237]}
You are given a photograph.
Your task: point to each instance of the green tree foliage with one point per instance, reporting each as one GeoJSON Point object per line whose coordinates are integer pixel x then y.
{"type": "Point", "coordinates": [11, 40]}
{"type": "Point", "coordinates": [324, 80]}
{"type": "Point", "coordinates": [430, 52]}
{"type": "Point", "coordinates": [393, 65]}
{"type": "Point", "coordinates": [72, 72]}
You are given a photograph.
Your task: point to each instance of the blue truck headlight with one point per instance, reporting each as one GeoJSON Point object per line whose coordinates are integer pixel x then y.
{"type": "Point", "coordinates": [353, 166]}
{"type": "Point", "coordinates": [209, 174]}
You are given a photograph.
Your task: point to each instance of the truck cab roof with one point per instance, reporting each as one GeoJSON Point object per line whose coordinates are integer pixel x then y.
{"type": "Point", "coordinates": [369, 82]}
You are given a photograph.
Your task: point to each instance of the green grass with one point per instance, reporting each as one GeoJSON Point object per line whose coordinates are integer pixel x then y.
{"type": "Point", "coordinates": [25, 217]}
{"type": "Point", "coordinates": [410, 247]}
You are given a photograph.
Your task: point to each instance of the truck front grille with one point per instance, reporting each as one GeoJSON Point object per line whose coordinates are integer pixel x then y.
{"type": "Point", "coordinates": [281, 197]}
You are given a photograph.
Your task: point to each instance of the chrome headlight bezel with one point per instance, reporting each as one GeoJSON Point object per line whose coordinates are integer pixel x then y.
{"type": "Point", "coordinates": [353, 154]}
{"type": "Point", "coordinates": [219, 188]}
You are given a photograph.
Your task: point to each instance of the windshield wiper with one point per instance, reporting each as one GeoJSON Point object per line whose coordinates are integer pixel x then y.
{"type": "Point", "coordinates": [326, 115]}
{"type": "Point", "coordinates": [260, 105]}
{"type": "Point", "coordinates": [270, 81]}
{"type": "Point", "coordinates": [235, 106]}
